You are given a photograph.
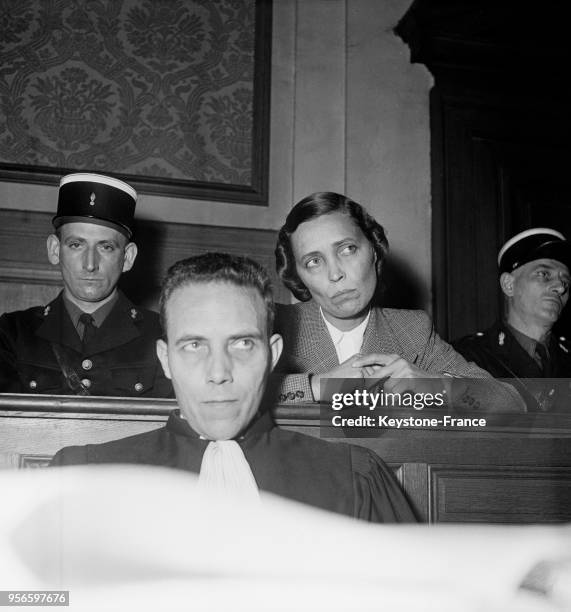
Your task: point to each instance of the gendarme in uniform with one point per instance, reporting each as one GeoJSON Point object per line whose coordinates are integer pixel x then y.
{"type": "Point", "coordinates": [534, 278]}
{"type": "Point", "coordinates": [91, 340]}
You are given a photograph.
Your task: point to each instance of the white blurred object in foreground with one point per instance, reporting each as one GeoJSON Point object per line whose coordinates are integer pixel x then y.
{"type": "Point", "coordinates": [145, 538]}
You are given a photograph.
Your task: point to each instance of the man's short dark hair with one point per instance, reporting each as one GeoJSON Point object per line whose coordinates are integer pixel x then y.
{"type": "Point", "coordinates": [218, 268]}
{"type": "Point", "coordinates": [312, 207]}
{"type": "Point", "coordinates": [58, 232]}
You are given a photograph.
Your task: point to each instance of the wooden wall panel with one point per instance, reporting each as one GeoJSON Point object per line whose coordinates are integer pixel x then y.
{"type": "Point", "coordinates": [500, 495]}
{"type": "Point", "coordinates": [27, 279]}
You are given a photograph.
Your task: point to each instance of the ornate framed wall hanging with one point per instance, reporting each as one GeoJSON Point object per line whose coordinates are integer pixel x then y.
{"type": "Point", "coordinates": [170, 95]}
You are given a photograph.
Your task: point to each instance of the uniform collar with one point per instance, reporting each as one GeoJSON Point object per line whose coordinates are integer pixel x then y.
{"type": "Point", "coordinates": [118, 328]}
{"type": "Point", "coordinates": [510, 351]}
{"type": "Point", "coordinates": [528, 344]}
{"type": "Point", "coordinates": [98, 315]}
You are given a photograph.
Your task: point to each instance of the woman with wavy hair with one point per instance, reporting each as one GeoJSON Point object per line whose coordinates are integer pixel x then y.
{"type": "Point", "coordinates": [330, 254]}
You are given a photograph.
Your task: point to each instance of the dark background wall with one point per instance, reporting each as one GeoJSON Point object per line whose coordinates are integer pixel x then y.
{"type": "Point", "coordinates": [499, 140]}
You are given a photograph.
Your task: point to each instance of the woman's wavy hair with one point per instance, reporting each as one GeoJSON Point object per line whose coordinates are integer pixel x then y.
{"type": "Point", "coordinates": [312, 207]}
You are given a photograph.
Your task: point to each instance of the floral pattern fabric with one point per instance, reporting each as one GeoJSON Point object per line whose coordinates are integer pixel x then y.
{"type": "Point", "coordinates": [157, 88]}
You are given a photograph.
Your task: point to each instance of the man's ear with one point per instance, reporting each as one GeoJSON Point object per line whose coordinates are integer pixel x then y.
{"type": "Point", "coordinates": [276, 348]}
{"type": "Point", "coordinates": [130, 256]}
{"type": "Point", "coordinates": [162, 354]}
{"type": "Point", "coordinates": [507, 283]}
{"type": "Point", "coordinates": [53, 249]}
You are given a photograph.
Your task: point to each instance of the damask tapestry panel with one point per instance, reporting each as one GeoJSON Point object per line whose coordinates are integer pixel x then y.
{"type": "Point", "coordinates": [171, 95]}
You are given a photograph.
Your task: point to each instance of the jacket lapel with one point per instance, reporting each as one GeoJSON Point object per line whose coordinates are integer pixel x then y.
{"type": "Point", "coordinates": [381, 338]}
{"type": "Point", "coordinates": [315, 346]}
{"type": "Point", "coordinates": [57, 326]}
{"type": "Point", "coordinates": [118, 328]}
{"type": "Point", "coordinates": [510, 351]}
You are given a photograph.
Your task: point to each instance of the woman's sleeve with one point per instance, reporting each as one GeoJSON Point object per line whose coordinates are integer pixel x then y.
{"type": "Point", "coordinates": [290, 388]}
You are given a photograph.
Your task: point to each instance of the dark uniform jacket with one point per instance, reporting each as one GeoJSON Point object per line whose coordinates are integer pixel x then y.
{"type": "Point", "coordinates": [342, 478]}
{"type": "Point", "coordinates": [498, 351]}
{"type": "Point", "coordinates": [37, 345]}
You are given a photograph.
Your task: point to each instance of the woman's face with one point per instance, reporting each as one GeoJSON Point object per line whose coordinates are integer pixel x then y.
{"type": "Point", "coordinates": [336, 263]}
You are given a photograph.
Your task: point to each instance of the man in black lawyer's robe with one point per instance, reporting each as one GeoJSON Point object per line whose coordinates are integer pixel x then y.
{"type": "Point", "coordinates": [342, 478]}
{"type": "Point", "coordinates": [218, 354]}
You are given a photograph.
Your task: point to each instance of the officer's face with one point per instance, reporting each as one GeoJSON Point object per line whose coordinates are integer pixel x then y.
{"type": "Point", "coordinates": [336, 263]}
{"type": "Point", "coordinates": [217, 355]}
{"type": "Point", "coordinates": [91, 258]}
{"type": "Point", "coordinates": [537, 291]}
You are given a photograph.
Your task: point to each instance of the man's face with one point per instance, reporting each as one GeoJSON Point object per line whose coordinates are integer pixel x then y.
{"type": "Point", "coordinates": [218, 355]}
{"type": "Point", "coordinates": [91, 258]}
{"type": "Point", "coordinates": [336, 263]}
{"type": "Point", "coordinates": [538, 291]}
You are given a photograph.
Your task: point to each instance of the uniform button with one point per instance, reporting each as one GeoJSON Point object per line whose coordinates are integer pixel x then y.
{"type": "Point", "coordinates": [86, 383]}
{"type": "Point", "coordinates": [291, 395]}
{"type": "Point", "coordinates": [87, 364]}
{"type": "Point", "coordinates": [300, 394]}
{"type": "Point", "coordinates": [33, 384]}
{"type": "Point", "coordinates": [479, 333]}
{"type": "Point", "coordinates": [139, 387]}
{"type": "Point", "coordinates": [283, 397]}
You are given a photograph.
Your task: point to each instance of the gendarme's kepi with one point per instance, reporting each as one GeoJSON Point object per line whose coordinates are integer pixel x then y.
{"type": "Point", "coordinates": [95, 198]}
{"type": "Point", "coordinates": [532, 244]}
